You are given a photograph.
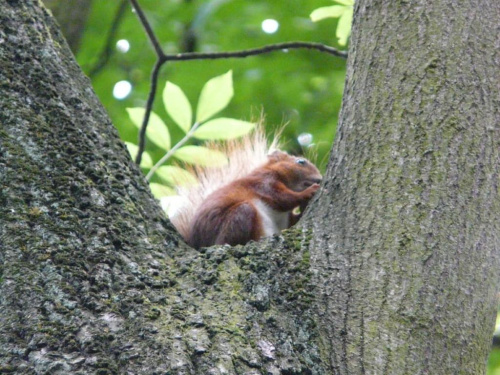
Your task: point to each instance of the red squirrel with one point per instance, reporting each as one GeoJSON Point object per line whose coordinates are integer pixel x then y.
{"type": "Point", "coordinates": [255, 206]}
{"type": "Point", "coordinates": [250, 197]}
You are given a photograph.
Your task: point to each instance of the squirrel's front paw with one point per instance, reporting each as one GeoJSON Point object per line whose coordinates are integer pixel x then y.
{"type": "Point", "coordinates": [309, 192]}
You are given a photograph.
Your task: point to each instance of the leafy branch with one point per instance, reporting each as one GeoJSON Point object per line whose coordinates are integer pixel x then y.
{"type": "Point", "coordinates": [214, 97]}
{"type": "Point", "coordinates": [344, 12]}
{"type": "Point", "coordinates": [162, 58]}
{"type": "Point", "coordinates": [171, 152]}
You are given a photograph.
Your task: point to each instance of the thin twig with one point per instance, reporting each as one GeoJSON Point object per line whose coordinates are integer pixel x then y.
{"type": "Point", "coordinates": [154, 78]}
{"type": "Point", "coordinates": [170, 152]}
{"type": "Point", "coordinates": [149, 107]}
{"type": "Point", "coordinates": [253, 52]}
{"type": "Point", "coordinates": [107, 51]}
{"type": "Point", "coordinates": [151, 35]}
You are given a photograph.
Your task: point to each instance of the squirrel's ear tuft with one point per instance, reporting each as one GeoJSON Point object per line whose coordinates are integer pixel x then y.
{"type": "Point", "coordinates": [277, 156]}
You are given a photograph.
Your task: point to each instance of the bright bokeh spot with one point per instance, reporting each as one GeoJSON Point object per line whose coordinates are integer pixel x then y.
{"type": "Point", "coordinates": [305, 139]}
{"type": "Point", "coordinates": [122, 89]}
{"type": "Point", "coordinates": [270, 26]}
{"type": "Point", "coordinates": [123, 45]}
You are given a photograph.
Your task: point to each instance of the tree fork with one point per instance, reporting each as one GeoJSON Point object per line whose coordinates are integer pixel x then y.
{"type": "Point", "coordinates": [393, 270]}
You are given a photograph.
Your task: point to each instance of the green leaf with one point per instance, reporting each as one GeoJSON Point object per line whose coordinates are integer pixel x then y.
{"type": "Point", "coordinates": [345, 2]}
{"type": "Point", "coordinates": [146, 161]}
{"type": "Point", "coordinates": [136, 115]}
{"type": "Point", "coordinates": [223, 128]}
{"type": "Point", "coordinates": [344, 26]}
{"type": "Point", "coordinates": [157, 131]}
{"type": "Point", "coordinates": [333, 11]}
{"type": "Point", "coordinates": [177, 106]}
{"type": "Point", "coordinates": [201, 156]}
{"type": "Point", "coordinates": [215, 96]}
{"type": "Point", "coordinates": [160, 190]}
{"type": "Point", "coordinates": [175, 176]}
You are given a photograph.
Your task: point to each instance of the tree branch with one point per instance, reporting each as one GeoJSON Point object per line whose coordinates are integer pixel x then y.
{"type": "Point", "coordinates": [254, 51]}
{"type": "Point", "coordinates": [163, 58]}
{"type": "Point", "coordinates": [154, 77]}
{"type": "Point", "coordinates": [149, 107]}
{"type": "Point", "coordinates": [147, 27]}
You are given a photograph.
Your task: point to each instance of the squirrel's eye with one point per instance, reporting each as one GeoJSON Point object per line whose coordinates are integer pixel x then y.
{"type": "Point", "coordinates": [301, 161]}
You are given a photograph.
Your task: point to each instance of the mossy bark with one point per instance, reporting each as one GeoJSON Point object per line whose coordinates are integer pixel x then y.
{"type": "Point", "coordinates": [406, 253]}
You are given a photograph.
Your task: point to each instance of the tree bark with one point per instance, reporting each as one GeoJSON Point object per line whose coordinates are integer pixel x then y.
{"type": "Point", "coordinates": [406, 251]}
{"type": "Point", "coordinates": [392, 271]}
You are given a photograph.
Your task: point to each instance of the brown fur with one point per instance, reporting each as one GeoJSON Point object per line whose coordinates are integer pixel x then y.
{"type": "Point", "coordinates": [244, 155]}
{"type": "Point", "coordinates": [229, 215]}
{"type": "Point", "coordinates": [221, 207]}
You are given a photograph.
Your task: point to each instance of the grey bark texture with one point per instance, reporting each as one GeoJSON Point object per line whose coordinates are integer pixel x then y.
{"type": "Point", "coordinates": [406, 251]}
{"type": "Point", "coordinates": [391, 272]}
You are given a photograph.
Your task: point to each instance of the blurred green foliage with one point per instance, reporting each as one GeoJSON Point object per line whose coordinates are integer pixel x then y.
{"type": "Point", "coordinates": [494, 358]}
{"type": "Point", "coordinates": [494, 362]}
{"type": "Point", "coordinates": [301, 88]}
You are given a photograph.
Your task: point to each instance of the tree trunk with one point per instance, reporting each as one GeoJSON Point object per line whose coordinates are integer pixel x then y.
{"type": "Point", "coordinates": [406, 249]}
{"type": "Point", "coordinates": [391, 272]}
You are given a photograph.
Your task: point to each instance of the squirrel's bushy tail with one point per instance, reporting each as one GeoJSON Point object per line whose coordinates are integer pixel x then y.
{"type": "Point", "coordinates": [244, 155]}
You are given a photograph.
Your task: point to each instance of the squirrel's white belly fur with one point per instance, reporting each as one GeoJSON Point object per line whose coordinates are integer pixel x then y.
{"type": "Point", "coordinates": [273, 222]}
